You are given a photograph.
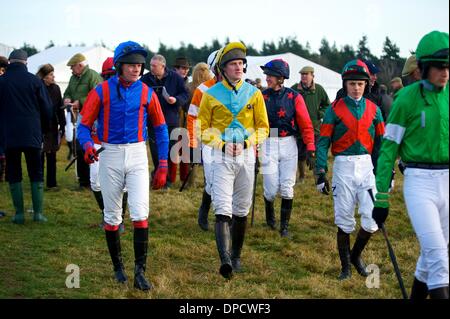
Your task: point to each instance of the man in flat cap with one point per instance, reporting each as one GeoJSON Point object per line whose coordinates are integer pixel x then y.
{"type": "Point", "coordinates": [411, 72]}
{"type": "Point", "coordinates": [25, 112]}
{"type": "Point", "coordinates": [83, 80]}
{"type": "Point", "coordinates": [317, 101]}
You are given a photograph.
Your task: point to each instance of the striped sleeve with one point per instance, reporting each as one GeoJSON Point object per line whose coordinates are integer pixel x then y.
{"type": "Point", "coordinates": [159, 126]}
{"type": "Point", "coordinates": [304, 123]}
{"type": "Point", "coordinates": [193, 114]}
{"type": "Point", "coordinates": [89, 114]}
{"type": "Point", "coordinates": [379, 123]}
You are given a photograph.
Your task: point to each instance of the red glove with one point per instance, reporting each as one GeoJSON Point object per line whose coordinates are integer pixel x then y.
{"type": "Point", "coordinates": [159, 180]}
{"type": "Point", "coordinates": [90, 154]}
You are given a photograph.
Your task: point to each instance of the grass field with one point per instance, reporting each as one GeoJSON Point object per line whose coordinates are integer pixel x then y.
{"type": "Point", "coordinates": [183, 261]}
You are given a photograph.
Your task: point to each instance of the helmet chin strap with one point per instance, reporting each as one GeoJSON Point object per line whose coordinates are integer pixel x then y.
{"type": "Point", "coordinates": [222, 72]}
{"type": "Point", "coordinates": [228, 81]}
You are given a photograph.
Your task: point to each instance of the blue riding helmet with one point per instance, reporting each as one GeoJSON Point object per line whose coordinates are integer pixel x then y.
{"type": "Point", "coordinates": [130, 52]}
{"type": "Point", "coordinates": [276, 67]}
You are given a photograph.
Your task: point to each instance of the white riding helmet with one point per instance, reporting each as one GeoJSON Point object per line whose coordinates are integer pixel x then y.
{"type": "Point", "coordinates": [212, 59]}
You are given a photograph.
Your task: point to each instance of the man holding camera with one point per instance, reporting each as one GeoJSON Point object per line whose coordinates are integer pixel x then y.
{"type": "Point", "coordinates": [83, 80]}
{"type": "Point", "coordinates": [172, 94]}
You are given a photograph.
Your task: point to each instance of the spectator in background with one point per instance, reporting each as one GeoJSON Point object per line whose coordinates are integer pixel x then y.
{"type": "Point", "coordinates": [316, 100]}
{"type": "Point", "coordinates": [3, 66]}
{"type": "Point", "coordinates": [396, 84]}
{"type": "Point", "coordinates": [250, 81]}
{"type": "Point", "coordinates": [82, 81]}
{"type": "Point", "coordinates": [24, 101]}
{"type": "Point", "coordinates": [258, 84]}
{"type": "Point", "coordinates": [182, 68]}
{"type": "Point", "coordinates": [411, 71]}
{"type": "Point", "coordinates": [172, 94]}
{"type": "Point", "coordinates": [52, 139]}
{"type": "Point", "coordinates": [386, 100]}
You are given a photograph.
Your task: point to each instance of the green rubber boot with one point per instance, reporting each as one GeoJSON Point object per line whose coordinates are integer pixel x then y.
{"type": "Point", "coordinates": [17, 198]}
{"type": "Point", "coordinates": [37, 196]}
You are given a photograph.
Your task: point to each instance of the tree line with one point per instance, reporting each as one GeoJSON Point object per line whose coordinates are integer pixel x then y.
{"type": "Point", "coordinates": [329, 55]}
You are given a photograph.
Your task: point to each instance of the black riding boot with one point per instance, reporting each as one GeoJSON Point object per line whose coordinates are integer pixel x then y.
{"type": "Point", "coordinates": [140, 255]}
{"type": "Point", "coordinates": [419, 290]}
{"type": "Point", "coordinates": [343, 242]}
{"type": "Point", "coordinates": [237, 240]}
{"type": "Point", "coordinates": [222, 230]}
{"type": "Point", "coordinates": [203, 211]}
{"type": "Point", "coordinates": [355, 255]}
{"type": "Point", "coordinates": [439, 293]}
{"type": "Point", "coordinates": [286, 209]}
{"type": "Point", "coordinates": [113, 242]}
{"type": "Point", "coordinates": [270, 214]}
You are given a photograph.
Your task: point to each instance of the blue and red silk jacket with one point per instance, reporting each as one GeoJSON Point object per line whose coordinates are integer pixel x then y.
{"type": "Point", "coordinates": [287, 112]}
{"type": "Point", "coordinates": [121, 113]}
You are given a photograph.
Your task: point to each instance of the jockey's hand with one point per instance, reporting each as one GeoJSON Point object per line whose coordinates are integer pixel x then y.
{"type": "Point", "coordinates": [90, 154]}
{"type": "Point", "coordinates": [322, 184]}
{"type": "Point", "coordinates": [160, 178]}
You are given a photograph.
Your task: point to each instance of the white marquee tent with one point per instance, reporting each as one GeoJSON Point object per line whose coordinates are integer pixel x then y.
{"type": "Point", "coordinates": [59, 56]}
{"type": "Point", "coordinates": [330, 80]}
{"type": "Point", "coordinates": [5, 50]}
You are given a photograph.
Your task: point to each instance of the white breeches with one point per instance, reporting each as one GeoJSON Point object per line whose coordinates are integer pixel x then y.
{"type": "Point", "coordinates": [279, 166]}
{"type": "Point", "coordinates": [120, 166]}
{"type": "Point", "coordinates": [426, 197]}
{"type": "Point", "coordinates": [207, 159]}
{"type": "Point", "coordinates": [352, 178]}
{"type": "Point", "coordinates": [232, 182]}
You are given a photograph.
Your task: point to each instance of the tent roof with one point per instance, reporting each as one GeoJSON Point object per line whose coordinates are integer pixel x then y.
{"type": "Point", "coordinates": [59, 56]}
{"type": "Point", "coordinates": [5, 50]}
{"type": "Point", "coordinates": [329, 79]}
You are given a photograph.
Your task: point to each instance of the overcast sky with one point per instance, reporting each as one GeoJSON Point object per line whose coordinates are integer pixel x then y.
{"type": "Point", "coordinates": [198, 22]}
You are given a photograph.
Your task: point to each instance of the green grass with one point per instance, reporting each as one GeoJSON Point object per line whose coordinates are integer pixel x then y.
{"type": "Point", "coordinates": [183, 260]}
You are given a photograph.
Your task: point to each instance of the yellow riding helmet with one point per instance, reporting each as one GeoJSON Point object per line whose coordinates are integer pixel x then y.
{"type": "Point", "coordinates": [232, 51]}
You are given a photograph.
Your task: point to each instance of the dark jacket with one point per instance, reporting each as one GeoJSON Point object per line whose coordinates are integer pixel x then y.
{"type": "Point", "coordinates": [53, 136]}
{"type": "Point", "coordinates": [386, 103]}
{"type": "Point", "coordinates": [25, 107]}
{"type": "Point", "coordinates": [174, 85]}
